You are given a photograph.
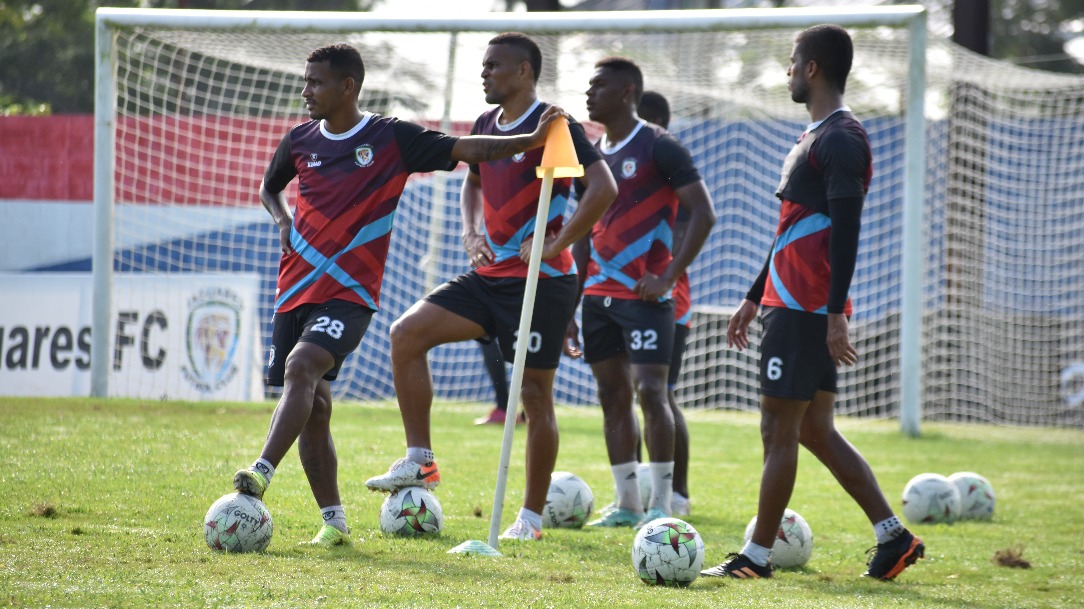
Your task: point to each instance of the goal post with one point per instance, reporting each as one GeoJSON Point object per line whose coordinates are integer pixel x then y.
{"type": "Point", "coordinates": [190, 105]}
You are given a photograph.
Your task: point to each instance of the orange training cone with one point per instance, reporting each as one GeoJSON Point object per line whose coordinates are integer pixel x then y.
{"type": "Point", "coordinates": [559, 154]}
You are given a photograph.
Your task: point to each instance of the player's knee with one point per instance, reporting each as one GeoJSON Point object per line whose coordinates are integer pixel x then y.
{"type": "Point", "coordinates": [652, 393]}
{"type": "Point", "coordinates": [405, 335]}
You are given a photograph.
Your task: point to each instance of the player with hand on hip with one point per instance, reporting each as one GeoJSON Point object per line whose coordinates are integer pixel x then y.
{"type": "Point", "coordinates": [628, 272]}
{"type": "Point", "coordinates": [485, 304]}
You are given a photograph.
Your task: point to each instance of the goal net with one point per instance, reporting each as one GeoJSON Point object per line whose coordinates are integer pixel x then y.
{"type": "Point", "coordinates": [967, 292]}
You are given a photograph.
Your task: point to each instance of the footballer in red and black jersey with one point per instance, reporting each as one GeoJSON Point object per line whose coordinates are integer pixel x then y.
{"type": "Point", "coordinates": [510, 190]}
{"type": "Point", "coordinates": [349, 186]}
{"type": "Point", "coordinates": [832, 161]}
{"type": "Point", "coordinates": [635, 235]}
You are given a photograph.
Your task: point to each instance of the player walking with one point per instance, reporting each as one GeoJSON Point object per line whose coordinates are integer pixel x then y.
{"type": "Point", "coordinates": [803, 288]}
{"type": "Point", "coordinates": [484, 304]}
{"type": "Point", "coordinates": [351, 168]}
{"type": "Point", "coordinates": [628, 273]}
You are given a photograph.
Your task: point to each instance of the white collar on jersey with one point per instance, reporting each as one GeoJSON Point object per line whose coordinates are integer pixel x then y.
{"type": "Point", "coordinates": [365, 116]}
{"type": "Point", "coordinates": [606, 148]}
{"type": "Point", "coordinates": [516, 123]}
{"type": "Point", "coordinates": [816, 124]}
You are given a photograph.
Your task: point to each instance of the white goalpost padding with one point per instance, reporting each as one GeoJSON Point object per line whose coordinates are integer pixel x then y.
{"type": "Point", "coordinates": [190, 105]}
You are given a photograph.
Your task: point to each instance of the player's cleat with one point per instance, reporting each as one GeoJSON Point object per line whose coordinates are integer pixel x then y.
{"type": "Point", "coordinates": [651, 514]}
{"type": "Point", "coordinates": [617, 518]}
{"type": "Point", "coordinates": [740, 567]}
{"type": "Point", "coordinates": [495, 417]}
{"type": "Point", "coordinates": [329, 537]}
{"type": "Point", "coordinates": [889, 559]}
{"type": "Point", "coordinates": [250, 482]}
{"type": "Point", "coordinates": [680, 505]}
{"type": "Point", "coordinates": [404, 473]}
{"type": "Point", "coordinates": [522, 531]}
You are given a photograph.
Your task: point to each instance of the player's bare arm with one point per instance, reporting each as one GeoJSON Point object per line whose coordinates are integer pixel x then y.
{"type": "Point", "coordinates": [275, 204]}
{"type": "Point", "coordinates": [839, 342]}
{"type": "Point", "coordinates": [599, 193]}
{"type": "Point", "coordinates": [482, 148]}
{"type": "Point", "coordinates": [471, 208]}
{"type": "Point", "coordinates": [737, 330]}
{"type": "Point", "coordinates": [695, 199]}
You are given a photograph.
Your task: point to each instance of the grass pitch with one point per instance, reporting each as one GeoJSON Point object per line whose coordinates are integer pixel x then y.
{"type": "Point", "coordinates": [102, 501]}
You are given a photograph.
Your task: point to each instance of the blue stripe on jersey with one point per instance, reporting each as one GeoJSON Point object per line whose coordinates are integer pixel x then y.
{"type": "Point", "coordinates": [684, 319]}
{"type": "Point", "coordinates": [323, 265]}
{"type": "Point", "coordinates": [511, 248]}
{"type": "Point", "coordinates": [609, 271]}
{"type": "Point", "coordinates": [803, 228]}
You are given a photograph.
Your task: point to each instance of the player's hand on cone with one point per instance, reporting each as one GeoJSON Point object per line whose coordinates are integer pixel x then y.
{"type": "Point", "coordinates": [538, 138]}
{"type": "Point", "coordinates": [839, 342]}
{"type": "Point", "coordinates": [737, 331]}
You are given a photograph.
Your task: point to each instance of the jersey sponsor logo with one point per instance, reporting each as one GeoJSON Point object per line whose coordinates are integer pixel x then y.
{"type": "Point", "coordinates": [519, 156]}
{"type": "Point", "coordinates": [628, 168]}
{"type": "Point", "coordinates": [363, 155]}
{"type": "Point", "coordinates": [271, 357]}
{"type": "Point", "coordinates": [314, 161]}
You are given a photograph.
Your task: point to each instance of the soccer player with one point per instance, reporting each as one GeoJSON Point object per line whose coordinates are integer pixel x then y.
{"type": "Point", "coordinates": [484, 304]}
{"type": "Point", "coordinates": [803, 288]}
{"type": "Point", "coordinates": [628, 274]}
{"type": "Point", "coordinates": [654, 108]}
{"type": "Point", "coordinates": [351, 168]}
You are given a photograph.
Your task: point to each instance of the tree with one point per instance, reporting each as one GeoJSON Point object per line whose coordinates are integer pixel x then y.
{"type": "Point", "coordinates": [47, 47]}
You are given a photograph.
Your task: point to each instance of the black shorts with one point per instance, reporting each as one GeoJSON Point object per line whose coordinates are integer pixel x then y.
{"type": "Point", "coordinates": [794, 358]}
{"type": "Point", "coordinates": [681, 335]}
{"type": "Point", "coordinates": [644, 330]}
{"type": "Point", "coordinates": [336, 325]}
{"type": "Point", "coordinates": [495, 304]}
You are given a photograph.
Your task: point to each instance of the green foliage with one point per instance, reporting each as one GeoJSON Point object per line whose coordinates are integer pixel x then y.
{"type": "Point", "coordinates": [102, 501]}
{"type": "Point", "coordinates": [47, 46]}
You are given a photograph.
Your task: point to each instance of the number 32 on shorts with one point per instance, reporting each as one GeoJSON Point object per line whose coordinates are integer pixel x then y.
{"type": "Point", "coordinates": [774, 369]}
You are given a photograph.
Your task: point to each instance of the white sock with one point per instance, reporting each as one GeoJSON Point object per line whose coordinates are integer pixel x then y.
{"type": "Point", "coordinates": [531, 517]}
{"type": "Point", "coordinates": [627, 485]}
{"type": "Point", "coordinates": [421, 456]}
{"type": "Point", "coordinates": [888, 529]}
{"type": "Point", "coordinates": [335, 516]}
{"type": "Point", "coordinates": [758, 554]}
{"type": "Point", "coordinates": [662, 485]}
{"type": "Point", "coordinates": [264, 467]}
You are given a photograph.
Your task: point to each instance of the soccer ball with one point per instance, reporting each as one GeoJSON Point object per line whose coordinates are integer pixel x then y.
{"type": "Point", "coordinates": [976, 495]}
{"type": "Point", "coordinates": [643, 472]}
{"type": "Point", "coordinates": [568, 502]}
{"type": "Point", "coordinates": [238, 523]}
{"type": "Point", "coordinates": [793, 541]}
{"type": "Point", "coordinates": [411, 511]}
{"type": "Point", "coordinates": [931, 498]}
{"type": "Point", "coordinates": [667, 552]}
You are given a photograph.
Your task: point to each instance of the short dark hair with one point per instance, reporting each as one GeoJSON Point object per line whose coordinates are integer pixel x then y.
{"type": "Point", "coordinates": [831, 47]}
{"type": "Point", "coordinates": [628, 70]}
{"type": "Point", "coordinates": [524, 44]}
{"type": "Point", "coordinates": [344, 61]}
{"type": "Point", "coordinates": [654, 108]}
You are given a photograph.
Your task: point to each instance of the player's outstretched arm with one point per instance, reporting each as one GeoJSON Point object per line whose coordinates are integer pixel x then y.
{"type": "Point", "coordinates": [482, 148]}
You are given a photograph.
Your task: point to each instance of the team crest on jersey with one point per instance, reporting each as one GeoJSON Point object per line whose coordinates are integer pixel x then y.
{"type": "Point", "coordinates": [363, 155]}
{"type": "Point", "coordinates": [519, 156]}
{"type": "Point", "coordinates": [628, 168]}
